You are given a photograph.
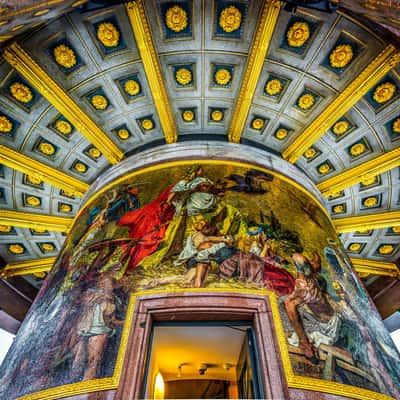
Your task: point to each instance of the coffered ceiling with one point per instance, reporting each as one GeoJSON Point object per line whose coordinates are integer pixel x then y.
{"type": "Point", "coordinates": [79, 91]}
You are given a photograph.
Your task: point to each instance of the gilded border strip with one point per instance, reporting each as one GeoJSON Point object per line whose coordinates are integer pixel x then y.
{"type": "Point", "coordinates": [294, 381]}
{"type": "Point", "coordinates": [27, 267]}
{"type": "Point", "coordinates": [386, 219]}
{"type": "Point", "coordinates": [35, 221]}
{"type": "Point", "coordinates": [19, 59]}
{"type": "Point", "coordinates": [348, 97]}
{"type": "Point", "coordinates": [374, 267]}
{"type": "Point", "coordinates": [151, 63]}
{"type": "Point", "coordinates": [255, 62]}
{"type": "Point", "coordinates": [29, 166]}
{"type": "Point", "coordinates": [368, 169]}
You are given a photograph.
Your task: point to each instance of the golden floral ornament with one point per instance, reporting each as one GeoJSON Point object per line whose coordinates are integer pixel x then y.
{"type": "Point", "coordinates": [217, 115]}
{"type": "Point", "coordinates": [39, 230]}
{"type": "Point", "coordinates": [183, 76]}
{"type": "Point", "coordinates": [370, 202]}
{"type": "Point", "coordinates": [132, 87]}
{"type": "Point", "coordinates": [80, 167]}
{"type": "Point", "coordinates": [21, 92]}
{"type": "Point", "coordinates": [95, 153]}
{"type": "Point", "coordinates": [39, 275]}
{"type": "Point", "coordinates": [147, 124]}
{"type": "Point", "coordinates": [384, 92]}
{"type": "Point", "coordinates": [306, 101]}
{"type": "Point", "coordinates": [396, 229]}
{"type": "Point", "coordinates": [16, 248]}
{"type": "Point", "coordinates": [386, 249]}
{"type": "Point", "coordinates": [340, 127]}
{"type": "Point", "coordinates": [298, 34]}
{"type": "Point", "coordinates": [368, 181]}
{"type": "Point", "coordinates": [34, 180]}
{"type": "Point", "coordinates": [63, 127]}
{"type": "Point", "coordinates": [5, 124]}
{"type": "Point", "coordinates": [5, 228]}
{"type": "Point", "coordinates": [46, 247]}
{"type": "Point", "coordinates": [64, 56]}
{"type": "Point", "coordinates": [324, 168]}
{"type": "Point", "coordinates": [188, 115]}
{"type": "Point", "coordinates": [108, 34]}
{"type": "Point", "coordinates": [355, 247]}
{"type": "Point", "coordinates": [65, 208]}
{"type": "Point", "coordinates": [33, 201]}
{"type": "Point", "coordinates": [47, 148]}
{"type": "Point", "coordinates": [341, 56]}
{"type": "Point", "coordinates": [357, 149]}
{"type": "Point", "coordinates": [281, 134]}
{"type": "Point", "coordinates": [176, 18]}
{"type": "Point", "coordinates": [338, 209]}
{"type": "Point", "coordinates": [310, 153]}
{"type": "Point", "coordinates": [123, 134]}
{"type": "Point", "coordinates": [99, 102]}
{"type": "Point", "coordinates": [395, 126]}
{"type": "Point", "coordinates": [257, 123]}
{"type": "Point", "coordinates": [273, 87]}
{"type": "Point", "coordinates": [222, 76]}
{"type": "Point", "coordinates": [230, 19]}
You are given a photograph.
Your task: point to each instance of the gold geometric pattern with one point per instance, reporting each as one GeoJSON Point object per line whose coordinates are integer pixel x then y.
{"type": "Point", "coordinates": [176, 18]}
{"type": "Point", "coordinates": [230, 19]}
{"type": "Point", "coordinates": [108, 34]}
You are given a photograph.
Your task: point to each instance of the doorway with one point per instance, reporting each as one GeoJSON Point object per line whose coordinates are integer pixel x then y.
{"type": "Point", "coordinates": [241, 318]}
{"type": "Point", "coordinates": [202, 360]}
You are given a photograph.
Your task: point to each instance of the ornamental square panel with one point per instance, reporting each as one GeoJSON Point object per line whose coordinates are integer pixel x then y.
{"type": "Point", "coordinates": [176, 20]}
{"type": "Point", "coordinates": [229, 19]}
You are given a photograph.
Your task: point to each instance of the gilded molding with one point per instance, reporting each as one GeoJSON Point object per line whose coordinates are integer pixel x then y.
{"type": "Point", "coordinates": [255, 63]}
{"type": "Point", "coordinates": [36, 169]}
{"type": "Point", "coordinates": [151, 63]}
{"type": "Point", "coordinates": [16, 56]}
{"type": "Point", "coordinates": [29, 9]}
{"type": "Point", "coordinates": [35, 221]}
{"type": "Point", "coordinates": [366, 170]}
{"type": "Point", "coordinates": [368, 221]}
{"type": "Point", "coordinates": [28, 267]}
{"type": "Point", "coordinates": [346, 99]}
{"type": "Point", "coordinates": [362, 265]}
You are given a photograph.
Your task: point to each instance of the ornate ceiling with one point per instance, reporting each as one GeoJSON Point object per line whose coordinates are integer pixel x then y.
{"type": "Point", "coordinates": [79, 91]}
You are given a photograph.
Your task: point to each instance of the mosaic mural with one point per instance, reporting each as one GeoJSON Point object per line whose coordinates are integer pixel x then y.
{"type": "Point", "coordinates": [208, 225]}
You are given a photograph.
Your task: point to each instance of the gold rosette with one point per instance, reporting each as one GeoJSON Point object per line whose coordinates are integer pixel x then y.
{"type": "Point", "coordinates": [132, 87]}
{"type": "Point", "coordinates": [147, 124]}
{"type": "Point", "coordinates": [341, 56]}
{"type": "Point", "coordinates": [257, 123]}
{"type": "Point", "coordinates": [47, 148]}
{"type": "Point", "coordinates": [80, 167]}
{"type": "Point", "coordinates": [176, 19]}
{"type": "Point", "coordinates": [370, 202]}
{"type": "Point", "coordinates": [230, 19]}
{"type": "Point", "coordinates": [64, 56]}
{"type": "Point", "coordinates": [63, 127]}
{"type": "Point", "coordinates": [222, 76]}
{"type": "Point", "coordinates": [340, 127]}
{"type": "Point", "coordinates": [384, 92]}
{"type": "Point", "coordinates": [183, 76]}
{"type": "Point", "coordinates": [306, 101]}
{"type": "Point", "coordinates": [16, 249]}
{"type": "Point", "coordinates": [386, 249]}
{"type": "Point", "coordinates": [5, 124]}
{"type": "Point", "coordinates": [357, 149]}
{"type": "Point", "coordinates": [298, 34]}
{"type": "Point", "coordinates": [108, 34]}
{"type": "Point", "coordinates": [281, 134]}
{"type": "Point", "coordinates": [123, 134]}
{"type": "Point", "coordinates": [33, 201]}
{"type": "Point", "coordinates": [396, 125]}
{"type": "Point", "coordinates": [21, 92]}
{"type": "Point", "coordinates": [273, 87]}
{"type": "Point", "coordinates": [324, 168]}
{"type": "Point", "coordinates": [99, 102]}
{"type": "Point", "coordinates": [217, 115]}
{"type": "Point", "coordinates": [188, 115]}
{"type": "Point", "coordinates": [66, 208]}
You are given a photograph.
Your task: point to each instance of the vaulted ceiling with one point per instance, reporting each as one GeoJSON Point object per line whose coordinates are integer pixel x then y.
{"type": "Point", "coordinates": [81, 89]}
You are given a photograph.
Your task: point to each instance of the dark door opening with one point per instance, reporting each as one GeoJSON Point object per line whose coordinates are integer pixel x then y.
{"type": "Point", "coordinates": [202, 360]}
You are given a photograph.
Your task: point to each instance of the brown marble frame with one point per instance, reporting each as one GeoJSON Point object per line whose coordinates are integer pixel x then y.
{"type": "Point", "coordinates": [201, 306]}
